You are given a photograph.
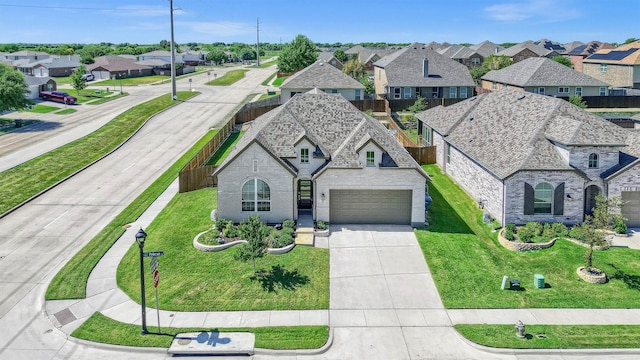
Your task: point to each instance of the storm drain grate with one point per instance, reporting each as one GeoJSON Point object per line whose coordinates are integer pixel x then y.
{"type": "Point", "coordinates": [65, 316]}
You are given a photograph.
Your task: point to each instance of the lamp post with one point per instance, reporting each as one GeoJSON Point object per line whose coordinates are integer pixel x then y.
{"type": "Point", "coordinates": [120, 84]}
{"type": "Point", "coordinates": [141, 236]}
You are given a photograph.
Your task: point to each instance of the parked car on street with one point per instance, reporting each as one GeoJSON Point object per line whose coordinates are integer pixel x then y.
{"type": "Point", "coordinates": [59, 96]}
{"type": "Point", "coordinates": [88, 77]}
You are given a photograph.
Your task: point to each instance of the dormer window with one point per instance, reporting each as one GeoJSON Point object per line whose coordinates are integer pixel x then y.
{"type": "Point", "coordinates": [371, 158]}
{"type": "Point", "coordinates": [593, 161]}
{"type": "Point", "coordinates": [304, 155]}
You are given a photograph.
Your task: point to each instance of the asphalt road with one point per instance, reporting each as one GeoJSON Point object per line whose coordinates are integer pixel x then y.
{"type": "Point", "coordinates": [40, 237]}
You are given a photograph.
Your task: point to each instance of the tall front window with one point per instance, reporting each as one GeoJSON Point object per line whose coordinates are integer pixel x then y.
{"type": "Point", "coordinates": [256, 196]}
{"type": "Point", "coordinates": [453, 92]}
{"type": "Point", "coordinates": [371, 158]}
{"type": "Point", "coordinates": [593, 161]}
{"type": "Point", "coordinates": [543, 198]}
{"type": "Point", "coordinates": [407, 93]}
{"type": "Point", "coordinates": [463, 92]}
{"type": "Point", "coordinates": [304, 156]}
{"type": "Point", "coordinates": [448, 154]}
{"type": "Point", "coordinates": [603, 91]}
{"type": "Point", "coordinates": [358, 94]}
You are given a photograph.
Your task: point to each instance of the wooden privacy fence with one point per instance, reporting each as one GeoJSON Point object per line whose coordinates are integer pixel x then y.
{"type": "Point", "coordinates": [423, 154]}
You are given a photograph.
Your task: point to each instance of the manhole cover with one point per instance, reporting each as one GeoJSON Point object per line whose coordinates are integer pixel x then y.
{"type": "Point", "coordinates": [184, 342]}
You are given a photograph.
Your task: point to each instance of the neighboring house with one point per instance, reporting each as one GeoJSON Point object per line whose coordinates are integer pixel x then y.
{"type": "Point", "coordinates": [551, 45]}
{"type": "Point", "coordinates": [156, 64]}
{"type": "Point", "coordinates": [194, 58]}
{"type": "Point", "coordinates": [419, 71]}
{"type": "Point", "coordinates": [471, 56]}
{"type": "Point", "coordinates": [319, 152]}
{"type": "Point", "coordinates": [580, 52]}
{"type": "Point", "coordinates": [161, 55]}
{"type": "Point", "coordinates": [105, 67]}
{"type": "Point", "coordinates": [526, 50]}
{"type": "Point", "coordinates": [527, 157]}
{"type": "Point", "coordinates": [368, 56]}
{"type": "Point", "coordinates": [53, 66]}
{"type": "Point", "coordinates": [328, 58]}
{"type": "Point", "coordinates": [28, 55]}
{"type": "Point", "coordinates": [37, 84]}
{"type": "Point", "coordinates": [546, 77]}
{"type": "Point", "coordinates": [619, 67]}
{"type": "Point", "coordinates": [486, 48]}
{"type": "Point", "coordinates": [324, 77]}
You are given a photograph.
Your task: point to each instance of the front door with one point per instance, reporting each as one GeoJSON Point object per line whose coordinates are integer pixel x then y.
{"type": "Point", "coordinates": [305, 194]}
{"type": "Point", "coordinates": [590, 194]}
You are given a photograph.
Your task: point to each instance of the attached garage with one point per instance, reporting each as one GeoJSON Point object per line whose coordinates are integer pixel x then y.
{"type": "Point", "coordinates": [348, 206]}
{"type": "Point", "coordinates": [631, 207]}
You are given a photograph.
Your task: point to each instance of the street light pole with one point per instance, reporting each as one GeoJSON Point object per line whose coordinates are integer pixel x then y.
{"type": "Point", "coordinates": [174, 94]}
{"type": "Point", "coordinates": [141, 236]}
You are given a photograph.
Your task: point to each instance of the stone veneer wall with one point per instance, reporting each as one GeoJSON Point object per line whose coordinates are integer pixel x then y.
{"type": "Point", "coordinates": [627, 181]}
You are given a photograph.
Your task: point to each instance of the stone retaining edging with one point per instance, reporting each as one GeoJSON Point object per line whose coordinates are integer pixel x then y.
{"type": "Point", "coordinates": [212, 248]}
{"type": "Point", "coordinates": [321, 233]}
{"type": "Point", "coordinates": [591, 278]}
{"type": "Point", "coordinates": [520, 246]}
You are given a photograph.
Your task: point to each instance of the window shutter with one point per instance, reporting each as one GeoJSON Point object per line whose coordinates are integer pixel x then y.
{"type": "Point", "coordinates": [558, 200]}
{"type": "Point", "coordinates": [528, 199]}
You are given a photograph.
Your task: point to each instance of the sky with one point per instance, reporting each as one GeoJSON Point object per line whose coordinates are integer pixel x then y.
{"type": "Point", "coordinates": [324, 21]}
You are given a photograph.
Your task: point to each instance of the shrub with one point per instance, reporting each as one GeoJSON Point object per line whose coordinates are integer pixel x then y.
{"type": "Point", "coordinates": [619, 226]}
{"type": "Point", "coordinates": [525, 234]}
{"type": "Point", "coordinates": [322, 225]}
{"type": "Point", "coordinates": [577, 233]}
{"type": "Point", "coordinates": [221, 224]}
{"type": "Point", "coordinates": [230, 231]}
{"type": "Point", "coordinates": [535, 228]}
{"type": "Point", "coordinates": [547, 231]}
{"type": "Point", "coordinates": [508, 234]}
{"type": "Point", "coordinates": [283, 240]}
{"type": "Point", "coordinates": [559, 229]}
{"type": "Point", "coordinates": [511, 227]}
{"type": "Point", "coordinates": [289, 224]}
{"type": "Point", "coordinates": [287, 230]}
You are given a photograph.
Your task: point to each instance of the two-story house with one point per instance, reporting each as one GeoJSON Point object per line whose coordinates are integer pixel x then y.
{"type": "Point", "coordinates": [526, 50]}
{"type": "Point", "coordinates": [319, 152]}
{"type": "Point", "coordinates": [527, 157]}
{"type": "Point", "coordinates": [418, 71]}
{"type": "Point", "coordinates": [619, 67]}
{"type": "Point", "coordinates": [324, 77]}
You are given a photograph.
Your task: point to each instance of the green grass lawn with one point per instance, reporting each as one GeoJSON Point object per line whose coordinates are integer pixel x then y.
{"type": "Point", "coordinates": [65, 111]}
{"type": "Point", "coordinates": [88, 95]}
{"type": "Point", "coordinates": [7, 125]}
{"type": "Point", "coordinates": [225, 148]}
{"type": "Point", "coordinates": [266, 81]}
{"type": "Point", "coordinates": [43, 109]}
{"type": "Point", "coordinates": [412, 133]}
{"type": "Point", "coordinates": [102, 329]}
{"type": "Point", "coordinates": [228, 78]}
{"type": "Point", "coordinates": [22, 182]}
{"type": "Point", "coordinates": [194, 280]}
{"type": "Point", "coordinates": [106, 99]}
{"type": "Point", "coordinates": [555, 336]}
{"type": "Point", "coordinates": [468, 263]}
{"type": "Point", "coordinates": [266, 64]}
{"type": "Point", "coordinates": [279, 81]}
{"type": "Point", "coordinates": [62, 80]}
{"type": "Point", "coordinates": [134, 81]}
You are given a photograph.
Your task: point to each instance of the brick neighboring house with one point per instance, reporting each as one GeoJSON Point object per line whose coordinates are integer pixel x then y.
{"type": "Point", "coordinates": [52, 66]}
{"type": "Point", "coordinates": [105, 67]}
{"type": "Point", "coordinates": [161, 55]}
{"type": "Point", "coordinates": [419, 71]}
{"type": "Point", "coordinates": [619, 67]}
{"type": "Point", "coordinates": [580, 52]}
{"type": "Point", "coordinates": [527, 157]}
{"type": "Point", "coordinates": [325, 77]}
{"type": "Point", "coordinates": [368, 56]}
{"type": "Point", "coordinates": [526, 50]}
{"type": "Point", "coordinates": [37, 84]}
{"type": "Point", "coordinates": [319, 152]}
{"type": "Point", "coordinates": [546, 77]}
{"type": "Point", "coordinates": [471, 56]}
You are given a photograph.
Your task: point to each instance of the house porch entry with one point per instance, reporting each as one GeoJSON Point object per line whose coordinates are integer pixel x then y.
{"type": "Point", "coordinates": [590, 194]}
{"type": "Point", "coordinates": [305, 194]}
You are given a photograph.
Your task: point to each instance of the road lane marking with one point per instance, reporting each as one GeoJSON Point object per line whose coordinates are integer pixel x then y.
{"type": "Point", "coordinates": [56, 219]}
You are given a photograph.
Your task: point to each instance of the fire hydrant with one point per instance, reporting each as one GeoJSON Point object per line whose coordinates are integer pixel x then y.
{"type": "Point", "coordinates": [520, 329]}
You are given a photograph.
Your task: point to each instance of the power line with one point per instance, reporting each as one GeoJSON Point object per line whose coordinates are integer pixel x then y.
{"type": "Point", "coordinates": [74, 7]}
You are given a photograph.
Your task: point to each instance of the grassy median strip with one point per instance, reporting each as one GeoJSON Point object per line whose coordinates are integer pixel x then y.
{"type": "Point", "coordinates": [22, 182]}
{"type": "Point", "coordinates": [107, 99]}
{"type": "Point", "coordinates": [553, 336]}
{"type": "Point", "coordinates": [228, 78]}
{"type": "Point", "coordinates": [102, 329]}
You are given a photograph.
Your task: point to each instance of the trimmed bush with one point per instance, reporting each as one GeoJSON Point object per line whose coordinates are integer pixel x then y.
{"type": "Point", "coordinates": [322, 225]}
{"type": "Point", "coordinates": [230, 231]}
{"type": "Point", "coordinates": [511, 227]}
{"type": "Point", "coordinates": [289, 224]}
{"type": "Point", "coordinates": [535, 228]}
{"type": "Point", "coordinates": [221, 224]}
{"type": "Point", "coordinates": [525, 234]}
{"type": "Point", "coordinates": [559, 229]}
{"type": "Point", "coordinates": [508, 234]}
{"type": "Point", "coordinates": [288, 231]}
{"type": "Point", "coordinates": [577, 233]}
{"type": "Point", "coordinates": [619, 226]}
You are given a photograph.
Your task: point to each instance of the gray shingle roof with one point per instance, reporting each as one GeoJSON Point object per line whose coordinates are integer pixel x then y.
{"type": "Point", "coordinates": [540, 71]}
{"type": "Point", "coordinates": [405, 68]}
{"type": "Point", "coordinates": [321, 75]}
{"type": "Point", "coordinates": [515, 49]}
{"type": "Point", "coordinates": [327, 120]}
{"type": "Point", "coordinates": [508, 131]}
{"type": "Point", "coordinates": [487, 48]}
{"type": "Point", "coordinates": [36, 80]}
{"type": "Point", "coordinates": [116, 63]}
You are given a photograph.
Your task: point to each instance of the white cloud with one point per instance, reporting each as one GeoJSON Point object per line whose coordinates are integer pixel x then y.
{"type": "Point", "coordinates": [540, 10]}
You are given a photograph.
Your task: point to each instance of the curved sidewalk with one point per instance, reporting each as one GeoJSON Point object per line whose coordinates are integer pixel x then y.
{"type": "Point", "coordinates": [103, 295]}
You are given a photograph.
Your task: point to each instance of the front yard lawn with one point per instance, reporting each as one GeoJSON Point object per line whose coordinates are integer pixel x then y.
{"type": "Point", "coordinates": [279, 81]}
{"type": "Point", "coordinates": [468, 263]}
{"type": "Point", "coordinates": [42, 109]}
{"type": "Point", "coordinates": [193, 280]}
{"type": "Point", "coordinates": [134, 81]}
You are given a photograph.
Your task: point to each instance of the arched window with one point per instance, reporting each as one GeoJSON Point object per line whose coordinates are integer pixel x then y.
{"type": "Point", "coordinates": [593, 161]}
{"type": "Point", "coordinates": [543, 198]}
{"type": "Point", "coordinates": [256, 196]}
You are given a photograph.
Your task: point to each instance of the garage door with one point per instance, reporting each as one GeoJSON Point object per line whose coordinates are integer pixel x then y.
{"type": "Point", "coordinates": [631, 208]}
{"type": "Point", "coordinates": [370, 207]}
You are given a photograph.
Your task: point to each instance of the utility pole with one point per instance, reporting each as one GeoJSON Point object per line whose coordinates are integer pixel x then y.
{"type": "Point", "coordinates": [258, 41]}
{"type": "Point", "coordinates": [174, 94]}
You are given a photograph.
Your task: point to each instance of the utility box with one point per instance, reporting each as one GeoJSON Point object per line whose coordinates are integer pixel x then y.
{"type": "Point", "coordinates": [538, 281]}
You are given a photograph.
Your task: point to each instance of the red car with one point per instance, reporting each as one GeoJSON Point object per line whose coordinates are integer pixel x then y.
{"type": "Point", "coordinates": [58, 96]}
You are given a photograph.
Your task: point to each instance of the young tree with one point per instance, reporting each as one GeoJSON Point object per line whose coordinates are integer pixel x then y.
{"type": "Point", "coordinates": [256, 233]}
{"type": "Point", "coordinates": [217, 56]}
{"type": "Point", "coordinates": [340, 55]}
{"type": "Point", "coordinates": [369, 86]}
{"type": "Point", "coordinates": [13, 88]}
{"type": "Point", "coordinates": [577, 101]}
{"type": "Point", "coordinates": [297, 55]}
{"type": "Point", "coordinates": [77, 80]}
{"type": "Point", "coordinates": [355, 68]}
{"type": "Point", "coordinates": [563, 60]}
{"type": "Point", "coordinates": [496, 62]}
{"type": "Point", "coordinates": [607, 215]}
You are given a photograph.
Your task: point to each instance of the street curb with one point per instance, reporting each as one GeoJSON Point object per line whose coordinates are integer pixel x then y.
{"type": "Point", "coordinates": [318, 351]}
{"type": "Point", "coordinates": [93, 162]}
{"type": "Point", "coordinates": [95, 344]}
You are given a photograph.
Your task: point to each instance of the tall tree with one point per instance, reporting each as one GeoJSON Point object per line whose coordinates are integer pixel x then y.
{"type": "Point", "coordinates": [256, 233]}
{"type": "Point", "coordinates": [496, 62]}
{"type": "Point", "coordinates": [355, 68]}
{"type": "Point", "coordinates": [297, 55]}
{"type": "Point", "coordinates": [563, 60]}
{"type": "Point", "coordinates": [340, 55]}
{"type": "Point", "coordinates": [217, 56]}
{"type": "Point", "coordinates": [13, 88]}
{"type": "Point", "coordinates": [77, 80]}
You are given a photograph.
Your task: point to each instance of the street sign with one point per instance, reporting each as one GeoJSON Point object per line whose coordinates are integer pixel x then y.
{"type": "Point", "coordinates": [153, 265]}
{"type": "Point", "coordinates": [156, 279]}
{"type": "Point", "coordinates": [152, 253]}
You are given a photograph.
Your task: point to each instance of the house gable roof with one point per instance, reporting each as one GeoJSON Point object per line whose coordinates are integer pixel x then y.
{"type": "Point", "coordinates": [328, 120]}
{"type": "Point", "coordinates": [487, 48]}
{"type": "Point", "coordinates": [507, 131]}
{"type": "Point", "coordinates": [116, 63]}
{"type": "Point", "coordinates": [321, 75]}
{"type": "Point", "coordinates": [405, 68]}
{"type": "Point", "coordinates": [515, 49]}
{"type": "Point", "coordinates": [541, 71]}
{"type": "Point", "coordinates": [628, 54]}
